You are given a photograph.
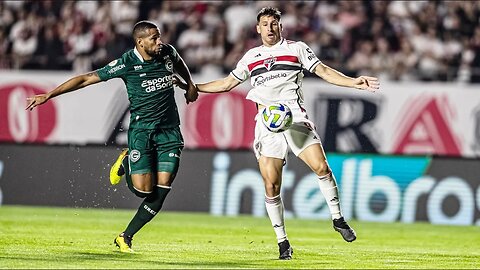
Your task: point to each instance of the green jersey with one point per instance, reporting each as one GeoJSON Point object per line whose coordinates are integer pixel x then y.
{"type": "Point", "coordinates": [149, 86]}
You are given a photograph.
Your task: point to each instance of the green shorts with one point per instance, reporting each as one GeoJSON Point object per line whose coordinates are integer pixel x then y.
{"type": "Point", "coordinates": [154, 150]}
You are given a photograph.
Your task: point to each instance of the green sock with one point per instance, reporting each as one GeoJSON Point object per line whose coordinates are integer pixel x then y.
{"type": "Point", "coordinates": [150, 206]}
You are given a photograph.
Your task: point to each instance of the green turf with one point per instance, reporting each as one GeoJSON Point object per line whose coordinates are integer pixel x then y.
{"type": "Point", "coordinates": [37, 237]}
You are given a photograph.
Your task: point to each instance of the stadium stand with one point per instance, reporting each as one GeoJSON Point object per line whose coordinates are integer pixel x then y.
{"type": "Point", "coordinates": [395, 40]}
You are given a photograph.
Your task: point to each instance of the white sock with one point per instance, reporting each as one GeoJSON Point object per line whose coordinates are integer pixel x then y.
{"type": "Point", "coordinates": [275, 211]}
{"type": "Point", "coordinates": [328, 187]}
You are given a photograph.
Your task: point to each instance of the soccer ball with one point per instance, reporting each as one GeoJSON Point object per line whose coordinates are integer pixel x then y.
{"type": "Point", "coordinates": [277, 117]}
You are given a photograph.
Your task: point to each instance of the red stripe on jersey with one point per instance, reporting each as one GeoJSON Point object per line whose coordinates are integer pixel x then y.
{"type": "Point", "coordinates": [287, 58]}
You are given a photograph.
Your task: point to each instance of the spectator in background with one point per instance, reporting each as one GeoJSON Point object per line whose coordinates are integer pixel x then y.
{"type": "Point", "coordinates": [211, 18]}
{"type": "Point", "coordinates": [405, 62]}
{"type": "Point", "coordinates": [24, 45]}
{"type": "Point", "coordinates": [211, 56]}
{"type": "Point", "coordinates": [239, 16]}
{"type": "Point", "coordinates": [50, 50]}
{"type": "Point", "coordinates": [382, 60]}
{"type": "Point", "coordinates": [360, 62]}
{"type": "Point", "coordinates": [475, 62]}
{"type": "Point", "coordinates": [431, 66]}
{"type": "Point", "coordinates": [329, 50]}
{"type": "Point", "coordinates": [6, 17]}
{"type": "Point", "coordinates": [347, 24]}
{"type": "Point", "coordinates": [192, 41]}
{"type": "Point", "coordinates": [124, 14]}
{"type": "Point", "coordinates": [81, 42]}
{"type": "Point", "coordinates": [4, 50]}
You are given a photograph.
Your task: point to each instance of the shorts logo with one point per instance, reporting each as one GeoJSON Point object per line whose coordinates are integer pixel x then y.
{"type": "Point", "coordinates": [134, 155]}
{"type": "Point", "coordinates": [169, 65]}
{"type": "Point", "coordinates": [173, 155]}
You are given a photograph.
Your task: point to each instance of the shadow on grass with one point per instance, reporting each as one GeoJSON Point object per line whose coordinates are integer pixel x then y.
{"type": "Point", "coordinates": [116, 259]}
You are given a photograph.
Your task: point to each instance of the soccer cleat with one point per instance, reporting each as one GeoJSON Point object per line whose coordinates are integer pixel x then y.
{"type": "Point", "coordinates": [286, 250]}
{"type": "Point", "coordinates": [124, 242]}
{"type": "Point", "coordinates": [341, 226]}
{"type": "Point", "coordinates": [117, 170]}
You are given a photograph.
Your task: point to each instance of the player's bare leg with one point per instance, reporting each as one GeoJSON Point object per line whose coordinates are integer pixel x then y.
{"type": "Point", "coordinates": [314, 157]}
{"type": "Point", "coordinates": [271, 170]}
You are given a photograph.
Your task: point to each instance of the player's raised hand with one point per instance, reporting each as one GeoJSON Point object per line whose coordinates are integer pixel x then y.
{"type": "Point", "coordinates": [36, 101]}
{"type": "Point", "coordinates": [367, 83]}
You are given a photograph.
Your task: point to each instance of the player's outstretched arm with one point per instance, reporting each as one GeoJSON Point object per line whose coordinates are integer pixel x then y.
{"type": "Point", "coordinates": [72, 84]}
{"type": "Point", "coordinates": [217, 86]}
{"type": "Point", "coordinates": [335, 77]}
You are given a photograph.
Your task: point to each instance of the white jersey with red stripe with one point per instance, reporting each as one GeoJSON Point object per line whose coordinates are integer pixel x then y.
{"type": "Point", "coordinates": [276, 72]}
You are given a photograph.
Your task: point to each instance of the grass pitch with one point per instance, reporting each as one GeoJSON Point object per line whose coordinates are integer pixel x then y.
{"type": "Point", "coordinates": [38, 237]}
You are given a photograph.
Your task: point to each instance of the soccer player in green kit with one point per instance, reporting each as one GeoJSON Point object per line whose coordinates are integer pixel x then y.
{"type": "Point", "coordinates": [154, 138]}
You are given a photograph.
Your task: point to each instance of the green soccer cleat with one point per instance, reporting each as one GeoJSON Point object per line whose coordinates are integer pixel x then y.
{"type": "Point", "coordinates": [117, 170]}
{"type": "Point", "coordinates": [124, 242]}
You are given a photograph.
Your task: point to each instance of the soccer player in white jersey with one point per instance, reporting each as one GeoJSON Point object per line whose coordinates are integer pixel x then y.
{"type": "Point", "coordinates": [275, 70]}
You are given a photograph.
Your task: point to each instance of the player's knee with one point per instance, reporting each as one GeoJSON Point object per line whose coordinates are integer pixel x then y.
{"type": "Point", "coordinates": [320, 168]}
{"type": "Point", "coordinates": [272, 189]}
{"type": "Point", "coordinates": [141, 192]}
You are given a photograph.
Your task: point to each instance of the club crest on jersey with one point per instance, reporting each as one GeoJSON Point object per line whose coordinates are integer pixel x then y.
{"type": "Point", "coordinates": [169, 65]}
{"type": "Point", "coordinates": [268, 63]}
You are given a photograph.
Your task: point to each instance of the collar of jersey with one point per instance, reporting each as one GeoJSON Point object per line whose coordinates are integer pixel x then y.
{"type": "Point", "coordinates": [276, 44]}
{"type": "Point", "coordinates": [137, 53]}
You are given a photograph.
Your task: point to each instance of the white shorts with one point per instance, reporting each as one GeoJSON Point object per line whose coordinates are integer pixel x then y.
{"type": "Point", "coordinates": [299, 136]}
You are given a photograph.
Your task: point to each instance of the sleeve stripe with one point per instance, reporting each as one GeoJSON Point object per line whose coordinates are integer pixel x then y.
{"type": "Point", "coordinates": [314, 65]}
{"type": "Point", "coordinates": [236, 77]}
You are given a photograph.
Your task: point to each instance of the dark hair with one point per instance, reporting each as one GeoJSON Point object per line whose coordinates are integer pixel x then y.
{"type": "Point", "coordinates": [269, 11]}
{"type": "Point", "coordinates": [141, 27]}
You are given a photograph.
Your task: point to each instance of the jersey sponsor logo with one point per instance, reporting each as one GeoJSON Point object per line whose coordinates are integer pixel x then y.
{"type": "Point", "coordinates": [134, 155]}
{"type": "Point", "coordinates": [137, 67]}
{"type": "Point", "coordinates": [117, 68]}
{"type": "Point", "coordinates": [261, 80]}
{"type": "Point", "coordinates": [113, 63]}
{"type": "Point", "coordinates": [158, 83]}
{"type": "Point", "coordinates": [169, 65]}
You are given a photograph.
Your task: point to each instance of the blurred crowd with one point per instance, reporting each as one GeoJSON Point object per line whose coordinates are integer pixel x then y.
{"type": "Point", "coordinates": [395, 40]}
